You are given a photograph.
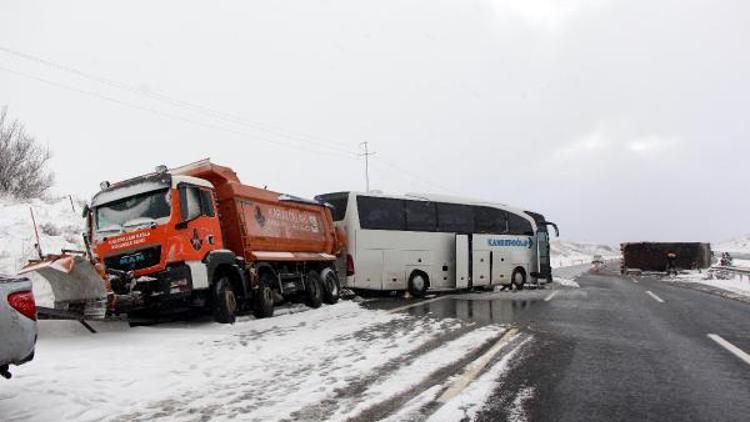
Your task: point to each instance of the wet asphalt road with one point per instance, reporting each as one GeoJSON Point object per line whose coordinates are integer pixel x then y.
{"type": "Point", "coordinates": [611, 351]}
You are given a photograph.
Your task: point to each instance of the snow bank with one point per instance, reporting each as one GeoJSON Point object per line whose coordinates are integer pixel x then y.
{"type": "Point", "coordinates": [311, 365]}
{"type": "Point", "coordinates": [736, 284]}
{"type": "Point", "coordinates": [59, 228]}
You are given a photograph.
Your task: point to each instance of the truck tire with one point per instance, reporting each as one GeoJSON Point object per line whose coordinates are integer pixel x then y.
{"type": "Point", "coordinates": [518, 278]}
{"type": "Point", "coordinates": [331, 287]}
{"type": "Point", "coordinates": [224, 301]}
{"type": "Point", "coordinates": [263, 303]}
{"type": "Point", "coordinates": [313, 290]}
{"type": "Point", "coordinates": [418, 284]}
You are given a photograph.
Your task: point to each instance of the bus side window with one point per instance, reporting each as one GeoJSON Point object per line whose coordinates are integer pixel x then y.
{"type": "Point", "coordinates": [421, 216]}
{"type": "Point", "coordinates": [455, 218]}
{"type": "Point", "coordinates": [490, 220]}
{"type": "Point", "coordinates": [381, 213]}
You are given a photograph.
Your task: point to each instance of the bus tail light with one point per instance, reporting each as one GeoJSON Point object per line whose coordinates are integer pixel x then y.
{"type": "Point", "coordinates": [349, 265]}
{"type": "Point", "coordinates": [23, 302]}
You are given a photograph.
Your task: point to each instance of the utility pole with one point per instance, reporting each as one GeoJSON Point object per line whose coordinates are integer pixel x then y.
{"type": "Point", "coordinates": [367, 155]}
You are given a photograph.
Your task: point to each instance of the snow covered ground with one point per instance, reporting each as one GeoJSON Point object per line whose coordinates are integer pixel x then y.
{"type": "Point", "coordinates": [332, 363]}
{"type": "Point", "coordinates": [739, 285]}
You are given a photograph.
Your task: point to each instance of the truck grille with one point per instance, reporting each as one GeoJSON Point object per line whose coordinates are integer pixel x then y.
{"type": "Point", "coordinates": [135, 260]}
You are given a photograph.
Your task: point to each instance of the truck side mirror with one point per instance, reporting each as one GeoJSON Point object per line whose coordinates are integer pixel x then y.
{"type": "Point", "coordinates": [86, 211]}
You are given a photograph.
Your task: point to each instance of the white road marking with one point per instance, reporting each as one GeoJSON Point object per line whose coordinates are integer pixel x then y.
{"type": "Point", "coordinates": [731, 347]}
{"type": "Point", "coordinates": [634, 280]}
{"type": "Point", "coordinates": [656, 298]}
{"type": "Point", "coordinates": [421, 302]}
{"type": "Point", "coordinates": [476, 367]}
{"type": "Point", "coordinates": [551, 295]}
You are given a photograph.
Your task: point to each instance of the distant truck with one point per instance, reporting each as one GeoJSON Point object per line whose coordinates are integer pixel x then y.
{"type": "Point", "coordinates": [653, 256]}
{"type": "Point", "coordinates": [194, 236]}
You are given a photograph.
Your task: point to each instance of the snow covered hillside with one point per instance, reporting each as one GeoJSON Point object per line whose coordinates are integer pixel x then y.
{"type": "Point", "coordinates": [59, 228]}
{"type": "Point", "coordinates": [566, 253]}
{"type": "Point", "coordinates": [738, 245]}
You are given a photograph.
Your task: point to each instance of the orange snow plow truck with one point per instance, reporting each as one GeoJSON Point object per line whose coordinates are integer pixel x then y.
{"type": "Point", "coordinates": [194, 236]}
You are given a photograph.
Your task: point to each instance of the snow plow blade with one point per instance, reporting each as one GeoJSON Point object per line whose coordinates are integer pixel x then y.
{"type": "Point", "coordinates": [75, 283]}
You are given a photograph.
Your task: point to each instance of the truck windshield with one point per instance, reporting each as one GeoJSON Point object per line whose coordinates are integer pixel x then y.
{"type": "Point", "coordinates": [133, 211]}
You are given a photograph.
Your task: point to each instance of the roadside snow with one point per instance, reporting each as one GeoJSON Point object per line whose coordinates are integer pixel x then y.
{"type": "Point", "coordinates": [566, 283]}
{"type": "Point", "coordinates": [736, 284]}
{"type": "Point", "coordinates": [59, 228]}
{"type": "Point", "coordinates": [262, 370]}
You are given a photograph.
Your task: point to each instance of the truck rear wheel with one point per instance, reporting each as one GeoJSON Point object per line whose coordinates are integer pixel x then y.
{"type": "Point", "coordinates": [224, 301]}
{"type": "Point", "coordinates": [263, 300]}
{"type": "Point", "coordinates": [331, 287]}
{"type": "Point", "coordinates": [313, 290]}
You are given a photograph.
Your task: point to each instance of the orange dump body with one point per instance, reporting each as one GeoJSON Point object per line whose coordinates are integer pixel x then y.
{"type": "Point", "coordinates": [259, 224]}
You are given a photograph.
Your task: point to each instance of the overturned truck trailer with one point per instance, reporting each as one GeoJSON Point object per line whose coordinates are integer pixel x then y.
{"type": "Point", "coordinates": [652, 256]}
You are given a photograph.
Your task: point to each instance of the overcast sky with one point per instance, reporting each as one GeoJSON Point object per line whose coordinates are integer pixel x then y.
{"type": "Point", "coordinates": [620, 120]}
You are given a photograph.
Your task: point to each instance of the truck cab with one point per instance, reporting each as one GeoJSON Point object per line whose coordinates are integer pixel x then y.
{"type": "Point", "coordinates": [160, 240]}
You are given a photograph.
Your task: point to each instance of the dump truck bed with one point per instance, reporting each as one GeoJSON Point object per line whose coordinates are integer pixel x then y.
{"type": "Point", "coordinates": [260, 224]}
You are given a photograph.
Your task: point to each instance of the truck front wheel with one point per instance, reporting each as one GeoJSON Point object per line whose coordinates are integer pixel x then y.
{"type": "Point", "coordinates": [263, 303]}
{"type": "Point", "coordinates": [313, 290]}
{"type": "Point", "coordinates": [224, 301]}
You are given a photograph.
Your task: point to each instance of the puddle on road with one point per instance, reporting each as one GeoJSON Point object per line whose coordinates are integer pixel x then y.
{"type": "Point", "coordinates": [481, 311]}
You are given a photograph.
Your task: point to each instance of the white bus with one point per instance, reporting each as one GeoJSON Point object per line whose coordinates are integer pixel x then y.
{"type": "Point", "coordinates": [421, 242]}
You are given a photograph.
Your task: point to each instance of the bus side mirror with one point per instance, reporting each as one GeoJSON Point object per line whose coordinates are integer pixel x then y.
{"type": "Point", "coordinates": [554, 226]}
{"type": "Point", "coordinates": [86, 211]}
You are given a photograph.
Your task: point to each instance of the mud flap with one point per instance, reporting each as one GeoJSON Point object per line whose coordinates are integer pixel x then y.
{"type": "Point", "coordinates": [75, 283]}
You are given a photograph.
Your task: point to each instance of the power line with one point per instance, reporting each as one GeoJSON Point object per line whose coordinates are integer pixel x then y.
{"type": "Point", "coordinates": [176, 102]}
{"type": "Point", "coordinates": [333, 148]}
{"type": "Point", "coordinates": [157, 112]}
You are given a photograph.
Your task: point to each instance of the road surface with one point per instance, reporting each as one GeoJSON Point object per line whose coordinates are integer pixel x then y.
{"type": "Point", "coordinates": [618, 348]}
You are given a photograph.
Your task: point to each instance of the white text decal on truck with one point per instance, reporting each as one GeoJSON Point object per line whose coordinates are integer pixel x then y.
{"type": "Point", "coordinates": [129, 240]}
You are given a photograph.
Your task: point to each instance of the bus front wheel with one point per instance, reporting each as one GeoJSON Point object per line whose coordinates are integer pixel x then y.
{"type": "Point", "coordinates": [519, 278]}
{"type": "Point", "coordinates": [418, 284]}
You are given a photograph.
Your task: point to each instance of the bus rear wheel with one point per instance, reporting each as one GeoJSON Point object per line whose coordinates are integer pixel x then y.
{"type": "Point", "coordinates": [519, 278]}
{"type": "Point", "coordinates": [418, 284]}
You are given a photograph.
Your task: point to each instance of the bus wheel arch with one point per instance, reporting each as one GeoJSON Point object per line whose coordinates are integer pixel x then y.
{"type": "Point", "coordinates": [419, 283]}
{"type": "Point", "coordinates": [518, 279]}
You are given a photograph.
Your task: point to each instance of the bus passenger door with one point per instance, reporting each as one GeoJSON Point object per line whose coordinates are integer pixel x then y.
{"type": "Point", "coordinates": [545, 267]}
{"type": "Point", "coordinates": [462, 261]}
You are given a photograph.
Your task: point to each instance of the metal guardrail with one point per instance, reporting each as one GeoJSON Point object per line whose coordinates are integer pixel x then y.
{"type": "Point", "coordinates": [741, 270]}
{"type": "Point", "coordinates": [721, 269]}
